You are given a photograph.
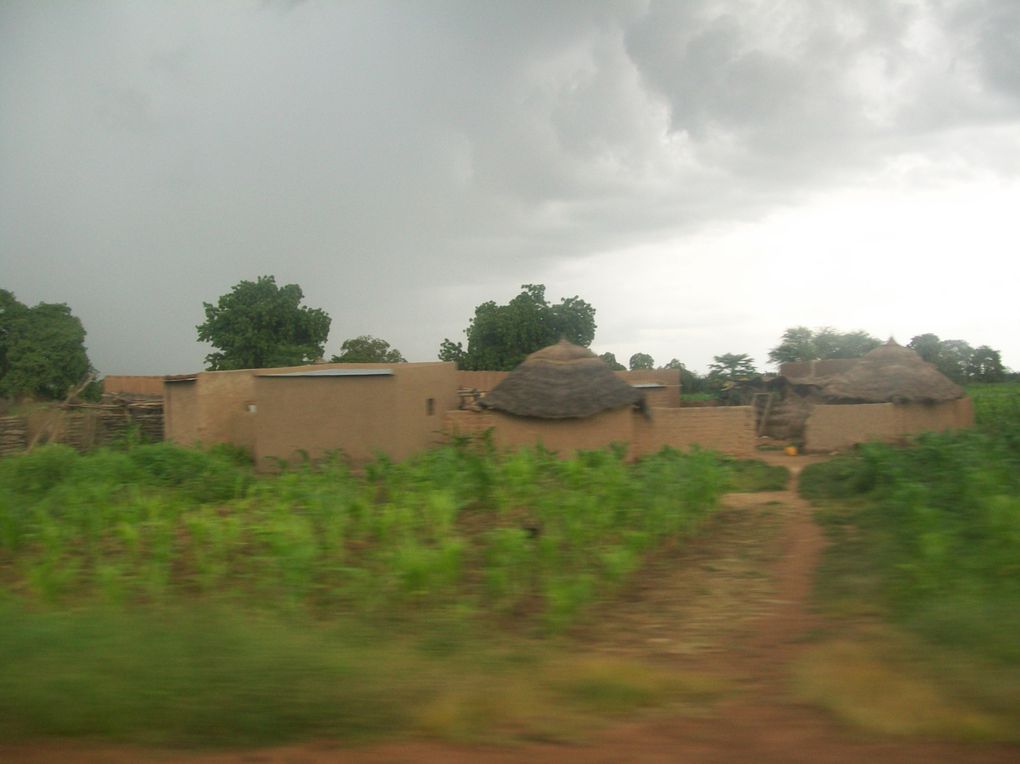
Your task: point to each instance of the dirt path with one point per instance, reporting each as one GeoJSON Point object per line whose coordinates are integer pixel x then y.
{"type": "Point", "coordinates": [733, 604]}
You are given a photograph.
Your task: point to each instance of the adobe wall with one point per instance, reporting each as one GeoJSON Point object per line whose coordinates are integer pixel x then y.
{"type": "Point", "coordinates": [226, 401]}
{"type": "Point", "coordinates": [564, 436]}
{"type": "Point", "coordinates": [727, 429]}
{"type": "Point", "coordinates": [834, 427]}
{"type": "Point", "coordinates": [667, 395]}
{"type": "Point", "coordinates": [483, 381]}
{"type": "Point", "coordinates": [359, 415]}
{"type": "Point", "coordinates": [136, 385]}
{"type": "Point", "coordinates": [180, 411]}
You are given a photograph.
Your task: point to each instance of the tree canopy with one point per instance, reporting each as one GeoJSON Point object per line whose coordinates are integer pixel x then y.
{"type": "Point", "coordinates": [612, 363]}
{"type": "Point", "coordinates": [731, 367]}
{"type": "Point", "coordinates": [958, 360]}
{"type": "Point", "coordinates": [499, 337]}
{"type": "Point", "coordinates": [799, 343]}
{"type": "Point", "coordinates": [259, 325]}
{"type": "Point", "coordinates": [367, 349]}
{"type": "Point", "coordinates": [641, 361]}
{"type": "Point", "coordinates": [42, 349]}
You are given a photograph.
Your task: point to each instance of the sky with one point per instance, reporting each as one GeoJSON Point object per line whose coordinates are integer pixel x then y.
{"type": "Point", "coordinates": [706, 173]}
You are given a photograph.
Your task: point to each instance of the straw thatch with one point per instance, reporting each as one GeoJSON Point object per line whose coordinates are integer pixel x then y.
{"type": "Point", "coordinates": [562, 381]}
{"type": "Point", "coordinates": [894, 374]}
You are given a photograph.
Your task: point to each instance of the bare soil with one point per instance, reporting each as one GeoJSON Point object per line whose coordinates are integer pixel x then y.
{"type": "Point", "coordinates": [733, 604]}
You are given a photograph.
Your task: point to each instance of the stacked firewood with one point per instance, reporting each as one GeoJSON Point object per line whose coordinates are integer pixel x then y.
{"type": "Point", "coordinates": [13, 435]}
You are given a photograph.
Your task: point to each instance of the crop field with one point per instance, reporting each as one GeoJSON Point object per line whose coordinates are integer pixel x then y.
{"type": "Point", "coordinates": [927, 539]}
{"type": "Point", "coordinates": [321, 601]}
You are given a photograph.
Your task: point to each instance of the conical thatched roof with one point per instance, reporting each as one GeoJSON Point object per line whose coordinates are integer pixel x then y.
{"type": "Point", "coordinates": [562, 381]}
{"type": "Point", "coordinates": [891, 373]}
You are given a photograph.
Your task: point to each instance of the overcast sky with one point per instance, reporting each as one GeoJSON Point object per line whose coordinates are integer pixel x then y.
{"type": "Point", "coordinates": [705, 172]}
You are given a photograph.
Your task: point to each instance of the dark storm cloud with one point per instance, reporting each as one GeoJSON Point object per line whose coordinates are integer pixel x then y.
{"type": "Point", "coordinates": [396, 157]}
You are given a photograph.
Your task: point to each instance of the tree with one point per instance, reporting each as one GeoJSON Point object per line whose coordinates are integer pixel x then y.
{"type": "Point", "coordinates": [259, 325]}
{"type": "Point", "coordinates": [985, 365]}
{"type": "Point", "coordinates": [799, 343]}
{"type": "Point", "coordinates": [367, 349]}
{"type": "Point", "coordinates": [731, 367]}
{"type": "Point", "coordinates": [42, 349]}
{"type": "Point", "coordinates": [500, 336]}
{"type": "Point", "coordinates": [612, 363]}
{"type": "Point", "coordinates": [958, 360]}
{"type": "Point", "coordinates": [641, 361]}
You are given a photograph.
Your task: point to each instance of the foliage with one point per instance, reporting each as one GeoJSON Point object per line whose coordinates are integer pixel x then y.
{"type": "Point", "coordinates": [457, 527]}
{"type": "Point", "coordinates": [367, 349]}
{"type": "Point", "coordinates": [799, 343]}
{"type": "Point", "coordinates": [501, 336]}
{"type": "Point", "coordinates": [730, 367]}
{"type": "Point", "coordinates": [42, 349]}
{"type": "Point", "coordinates": [996, 407]}
{"type": "Point", "coordinates": [958, 360]}
{"type": "Point", "coordinates": [612, 363]}
{"type": "Point", "coordinates": [932, 534]}
{"type": "Point", "coordinates": [641, 361]}
{"type": "Point", "coordinates": [260, 325]}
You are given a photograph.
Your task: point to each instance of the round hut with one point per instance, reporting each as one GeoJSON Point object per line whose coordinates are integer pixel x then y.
{"type": "Point", "coordinates": [562, 381]}
{"type": "Point", "coordinates": [891, 374]}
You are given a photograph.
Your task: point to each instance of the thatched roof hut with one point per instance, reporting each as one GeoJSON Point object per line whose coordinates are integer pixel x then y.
{"type": "Point", "coordinates": [562, 381]}
{"type": "Point", "coordinates": [891, 373]}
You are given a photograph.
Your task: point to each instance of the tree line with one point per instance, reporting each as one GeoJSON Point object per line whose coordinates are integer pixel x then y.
{"type": "Point", "coordinates": [260, 324]}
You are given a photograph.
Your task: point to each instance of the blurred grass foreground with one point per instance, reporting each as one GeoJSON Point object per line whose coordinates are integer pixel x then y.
{"type": "Point", "coordinates": [164, 595]}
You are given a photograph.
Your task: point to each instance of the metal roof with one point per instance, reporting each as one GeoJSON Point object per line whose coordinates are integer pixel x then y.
{"type": "Point", "coordinates": [335, 373]}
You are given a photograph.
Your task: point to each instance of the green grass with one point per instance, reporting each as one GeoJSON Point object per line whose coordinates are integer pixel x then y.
{"type": "Point", "coordinates": [750, 475]}
{"type": "Point", "coordinates": [926, 540]}
{"type": "Point", "coordinates": [166, 595]}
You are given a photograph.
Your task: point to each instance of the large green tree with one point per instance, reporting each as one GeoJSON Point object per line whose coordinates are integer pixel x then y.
{"type": "Point", "coordinates": [611, 362]}
{"type": "Point", "coordinates": [799, 343]}
{"type": "Point", "coordinates": [500, 336]}
{"type": "Point", "coordinates": [260, 325]}
{"type": "Point", "coordinates": [641, 361]}
{"type": "Point", "coordinates": [958, 360]}
{"type": "Point", "coordinates": [367, 349]}
{"type": "Point", "coordinates": [42, 349]}
{"type": "Point", "coordinates": [731, 367]}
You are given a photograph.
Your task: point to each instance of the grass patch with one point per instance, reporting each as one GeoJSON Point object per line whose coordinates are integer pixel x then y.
{"type": "Point", "coordinates": [891, 684]}
{"type": "Point", "coordinates": [926, 540]}
{"type": "Point", "coordinates": [169, 596]}
{"type": "Point", "coordinates": [752, 475]}
{"type": "Point", "coordinates": [216, 676]}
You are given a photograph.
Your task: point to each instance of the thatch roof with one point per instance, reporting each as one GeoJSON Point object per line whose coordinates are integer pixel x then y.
{"type": "Point", "coordinates": [562, 381]}
{"type": "Point", "coordinates": [891, 373]}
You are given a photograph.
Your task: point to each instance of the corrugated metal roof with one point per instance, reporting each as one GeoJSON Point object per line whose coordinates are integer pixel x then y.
{"type": "Point", "coordinates": [335, 373]}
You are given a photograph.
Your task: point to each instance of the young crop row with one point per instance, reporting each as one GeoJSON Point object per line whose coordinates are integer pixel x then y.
{"type": "Point", "coordinates": [525, 535]}
{"type": "Point", "coordinates": [935, 530]}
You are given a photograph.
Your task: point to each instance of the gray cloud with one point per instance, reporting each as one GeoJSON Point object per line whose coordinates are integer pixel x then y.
{"type": "Point", "coordinates": [403, 162]}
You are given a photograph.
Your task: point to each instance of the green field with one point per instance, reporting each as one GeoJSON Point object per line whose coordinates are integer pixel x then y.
{"type": "Point", "coordinates": [926, 540]}
{"type": "Point", "coordinates": [161, 594]}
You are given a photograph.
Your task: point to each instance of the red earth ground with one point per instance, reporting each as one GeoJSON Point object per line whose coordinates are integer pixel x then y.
{"type": "Point", "coordinates": [733, 603]}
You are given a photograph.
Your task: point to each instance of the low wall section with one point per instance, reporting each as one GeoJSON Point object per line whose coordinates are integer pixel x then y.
{"type": "Point", "coordinates": [728, 429]}
{"type": "Point", "coordinates": [134, 385]}
{"type": "Point", "coordinates": [837, 427]}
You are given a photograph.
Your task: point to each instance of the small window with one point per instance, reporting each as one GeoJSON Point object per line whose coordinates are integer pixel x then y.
{"type": "Point", "coordinates": [251, 408]}
{"type": "Point", "coordinates": [430, 406]}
